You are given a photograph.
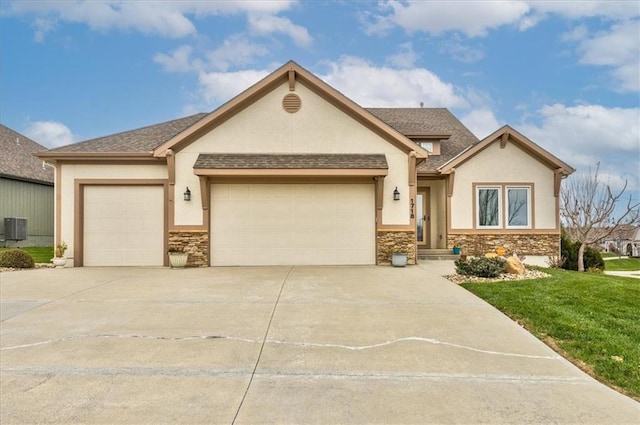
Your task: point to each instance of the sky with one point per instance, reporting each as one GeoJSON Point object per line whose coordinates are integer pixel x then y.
{"type": "Point", "coordinates": [566, 74]}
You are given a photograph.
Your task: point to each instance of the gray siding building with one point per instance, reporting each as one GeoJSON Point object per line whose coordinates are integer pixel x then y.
{"type": "Point", "coordinates": [26, 190]}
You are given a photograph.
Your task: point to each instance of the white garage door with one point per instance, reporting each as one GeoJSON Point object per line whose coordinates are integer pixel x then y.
{"type": "Point", "coordinates": [298, 224]}
{"type": "Point", "coordinates": [123, 226]}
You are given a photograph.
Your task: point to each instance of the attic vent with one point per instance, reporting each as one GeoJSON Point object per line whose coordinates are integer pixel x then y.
{"type": "Point", "coordinates": [291, 103]}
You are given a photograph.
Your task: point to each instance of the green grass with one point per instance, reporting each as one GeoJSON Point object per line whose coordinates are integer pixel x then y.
{"type": "Point", "coordinates": [592, 319]}
{"type": "Point", "coordinates": [625, 264]}
{"type": "Point", "coordinates": [39, 254]}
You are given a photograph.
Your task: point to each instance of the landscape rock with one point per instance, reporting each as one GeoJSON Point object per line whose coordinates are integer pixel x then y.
{"type": "Point", "coordinates": [513, 265]}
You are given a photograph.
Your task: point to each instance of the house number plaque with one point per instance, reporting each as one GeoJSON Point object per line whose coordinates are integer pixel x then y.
{"type": "Point", "coordinates": [412, 208]}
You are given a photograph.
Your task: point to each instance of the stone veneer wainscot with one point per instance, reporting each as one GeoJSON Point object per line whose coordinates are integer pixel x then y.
{"type": "Point", "coordinates": [546, 244]}
{"type": "Point", "coordinates": [390, 241]}
{"type": "Point", "coordinates": [195, 243]}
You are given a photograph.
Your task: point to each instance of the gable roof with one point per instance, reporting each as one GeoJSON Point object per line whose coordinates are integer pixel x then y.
{"type": "Point", "coordinates": [141, 140]}
{"type": "Point", "coordinates": [17, 160]}
{"type": "Point", "coordinates": [421, 122]}
{"type": "Point", "coordinates": [507, 134]}
{"type": "Point", "coordinates": [293, 73]}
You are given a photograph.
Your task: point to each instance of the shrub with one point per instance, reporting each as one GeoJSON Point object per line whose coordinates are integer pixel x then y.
{"type": "Point", "coordinates": [569, 251]}
{"type": "Point", "coordinates": [16, 259]}
{"type": "Point", "coordinates": [555, 262]}
{"type": "Point", "coordinates": [480, 266]}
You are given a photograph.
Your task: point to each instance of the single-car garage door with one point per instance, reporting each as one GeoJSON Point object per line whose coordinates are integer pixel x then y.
{"type": "Point", "coordinates": [123, 226]}
{"type": "Point", "coordinates": [298, 224]}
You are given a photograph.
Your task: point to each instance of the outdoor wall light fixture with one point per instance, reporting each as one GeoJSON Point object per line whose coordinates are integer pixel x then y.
{"type": "Point", "coordinates": [396, 194]}
{"type": "Point", "coordinates": [187, 194]}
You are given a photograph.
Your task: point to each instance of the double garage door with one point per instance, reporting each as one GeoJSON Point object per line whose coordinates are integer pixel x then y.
{"type": "Point", "coordinates": [123, 226]}
{"type": "Point", "coordinates": [251, 224]}
{"type": "Point", "coordinates": [297, 224]}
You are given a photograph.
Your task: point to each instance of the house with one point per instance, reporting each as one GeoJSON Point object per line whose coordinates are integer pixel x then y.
{"type": "Point", "coordinates": [624, 240]}
{"type": "Point", "coordinates": [291, 171]}
{"type": "Point", "coordinates": [26, 191]}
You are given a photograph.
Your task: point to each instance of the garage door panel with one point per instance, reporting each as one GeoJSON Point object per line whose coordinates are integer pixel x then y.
{"type": "Point", "coordinates": [265, 224]}
{"type": "Point", "coordinates": [123, 225]}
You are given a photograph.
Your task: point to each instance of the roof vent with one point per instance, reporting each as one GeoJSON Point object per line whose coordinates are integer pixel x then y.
{"type": "Point", "coordinates": [291, 103]}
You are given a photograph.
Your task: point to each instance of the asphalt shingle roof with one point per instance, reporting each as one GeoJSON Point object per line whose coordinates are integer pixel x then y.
{"type": "Point", "coordinates": [143, 139]}
{"type": "Point", "coordinates": [17, 160]}
{"type": "Point", "coordinates": [290, 161]}
{"type": "Point", "coordinates": [429, 121]}
{"type": "Point", "coordinates": [405, 120]}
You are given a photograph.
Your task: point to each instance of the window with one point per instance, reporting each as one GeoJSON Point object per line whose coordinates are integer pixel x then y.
{"type": "Point", "coordinates": [428, 146]}
{"type": "Point", "coordinates": [490, 211]}
{"type": "Point", "coordinates": [488, 207]}
{"type": "Point", "coordinates": [518, 208]}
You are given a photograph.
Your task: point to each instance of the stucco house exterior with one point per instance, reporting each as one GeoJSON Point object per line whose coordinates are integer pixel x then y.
{"type": "Point", "coordinates": [26, 190]}
{"type": "Point", "coordinates": [624, 240]}
{"type": "Point", "coordinates": [291, 171]}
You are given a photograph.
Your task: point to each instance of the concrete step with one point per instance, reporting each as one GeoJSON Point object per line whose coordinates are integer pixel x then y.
{"type": "Point", "coordinates": [437, 254]}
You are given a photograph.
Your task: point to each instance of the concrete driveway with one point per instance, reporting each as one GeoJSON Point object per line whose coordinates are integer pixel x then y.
{"type": "Point", "coordinates": [277, 345]}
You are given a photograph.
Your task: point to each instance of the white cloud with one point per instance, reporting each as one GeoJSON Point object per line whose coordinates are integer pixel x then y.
{"type": "Point", "coordinates": [219, 87]}
{"type": "Point", "coordinates": [166, 18]}
{"type": "Point", "coordinates": [619, 48]}
{"type": "Point", "coordinates": [473, 18]}
{"type": "Point", "coordinates": [477, 18]}
{"type": "Point", "coordinates": [178, 60]}
{"type": "Point", "coordinates": [609, 9]}
{"type": "Point", "coordinates": [586, 134]}
{"type": "Point", "coordinates": [235, 50]}
{"type": "Point", "coordinates": [405, 58]}
{"type": "Point", "coordinates": [268, 24]}
{"type": "Point", "coordinates": [386, 87]}
{"type": "Point", "coordinates": [460, 51]}
{"type": "Point", "coordinates": [49, 133]}
{"type": "Point", "coordinates": [481, 122]}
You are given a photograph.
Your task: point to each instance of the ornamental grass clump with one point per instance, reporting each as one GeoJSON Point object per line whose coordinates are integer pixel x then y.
{"type": "Point", "coordinates": [480, 266]}
{"type": "Point", "coordinates": [16, 259]}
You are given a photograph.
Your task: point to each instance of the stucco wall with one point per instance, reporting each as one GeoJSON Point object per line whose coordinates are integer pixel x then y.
{"type": "Point", "coordinates": [503, 166]}
{"type": "Point", "coordinates": [71, 172]}
{"type": "Point", "coordinates": [319, 127]}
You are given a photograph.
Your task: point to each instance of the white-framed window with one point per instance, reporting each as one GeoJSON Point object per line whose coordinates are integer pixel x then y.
{"type": "Point", "coordinates": [428, 146]}
{"type": "Point", "coordinates": [503, 206]}
{"type": "Point", "coordinates": [488, 207]}
{"type": "Point", "coordinates": [518, 213]}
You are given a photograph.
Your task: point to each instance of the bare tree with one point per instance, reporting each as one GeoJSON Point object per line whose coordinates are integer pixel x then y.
{"type": "Point", "coordinates": [588, 209]}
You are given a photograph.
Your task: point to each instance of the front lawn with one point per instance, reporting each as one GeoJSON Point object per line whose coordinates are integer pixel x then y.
{"type": "Point", "coordinates": [39, 254]}
{"type": "Point", "coordinates": [592, 319]}
{"type": "Point", "coordinates": [625, 264]}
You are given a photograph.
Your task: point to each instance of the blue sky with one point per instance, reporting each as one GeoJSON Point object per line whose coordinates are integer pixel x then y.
{"type": "Point", "coordinates": [564, 73]}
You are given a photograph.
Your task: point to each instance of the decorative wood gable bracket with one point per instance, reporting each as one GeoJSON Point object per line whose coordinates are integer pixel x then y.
{"type": "Point", "coordinates": [292, 80]}
{"type": "Point", "coordinates": [450, 181]}
{"type": "Point", "coordinates": [558, 175]}
{"type": "Point", "coordinates": [504, 139]}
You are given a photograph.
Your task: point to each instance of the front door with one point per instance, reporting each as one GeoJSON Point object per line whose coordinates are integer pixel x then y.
{"type": "Point", "coordinates": [423, 219]}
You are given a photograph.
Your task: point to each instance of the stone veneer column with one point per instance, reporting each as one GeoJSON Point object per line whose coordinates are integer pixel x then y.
{"type": "Point", "coordinates": [195, 243]}
{"type": "Point", "coordinates": [390, 241]}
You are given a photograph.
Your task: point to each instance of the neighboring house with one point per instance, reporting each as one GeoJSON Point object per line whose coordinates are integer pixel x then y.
{"type": "Point", "coordinates": [26, 189]}
{"type": "Point", "coordinates": [291, 171]}
{"type": "Point", "coordinates": [624, 240]}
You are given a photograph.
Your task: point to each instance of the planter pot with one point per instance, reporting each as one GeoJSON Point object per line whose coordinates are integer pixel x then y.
{"type": "Point", "coordinates": [456, 251]}
{"type": "Point", "coordinates": [178, 260]}
{"type": "Point", "coordinates": [399, 259]}
{"type": "Point", "coordinates": [59, 262]}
